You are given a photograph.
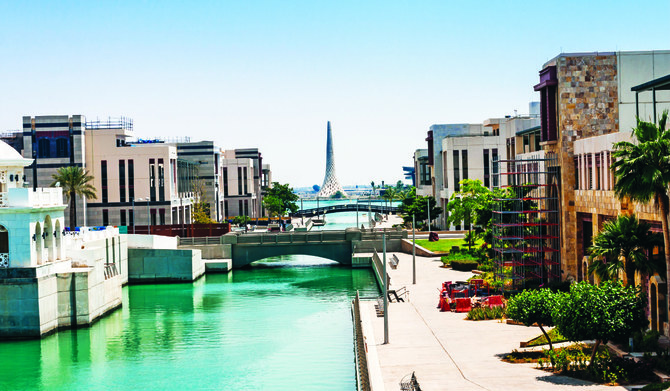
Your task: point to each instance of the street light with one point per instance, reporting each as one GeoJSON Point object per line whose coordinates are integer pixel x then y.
{"type": "Point", "coordinates": [413, 250]}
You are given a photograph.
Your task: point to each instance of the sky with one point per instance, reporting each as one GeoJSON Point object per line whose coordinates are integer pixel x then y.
{"type": "Point", "coordinates": [270, 74]}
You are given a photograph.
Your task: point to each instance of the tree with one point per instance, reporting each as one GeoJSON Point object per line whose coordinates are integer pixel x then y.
{"type": "Point", "coordinates": [338, 195]}
{"type": "Point", "coordinates": [642, 172]}
{"type": "Point", "coordinates": [390, 194]}
{"type": "Point", "coordinates": [279, 199]}
{"type": "Point", "coordinates": [75, 181]}
{"type": "Point", "coordinates": [599, 312]}
{"type": "Point", "coordinates": [466, 204]}
{"type": "Point", "coordinates": [417, 206]}
{"type": "Point", "coordinates": [534, 306]}
{"type": "Point", "coordinates": [623, 244]}
{"type": "Point", "coordinates": [201, 206]}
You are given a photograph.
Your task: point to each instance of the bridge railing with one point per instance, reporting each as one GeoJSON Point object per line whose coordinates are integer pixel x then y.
{"type": "Point", "coordinates": [292, 237]}
{"type": "Point", "coordinates": [204, 240]}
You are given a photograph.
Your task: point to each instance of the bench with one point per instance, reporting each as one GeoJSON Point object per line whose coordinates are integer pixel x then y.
{"type": "Point", "coordinates": [394, 261]}
{"type": "Point", "coordinates": [379, 307]}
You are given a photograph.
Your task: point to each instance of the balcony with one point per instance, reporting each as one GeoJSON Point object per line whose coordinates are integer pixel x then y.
{"type": "Point", "coordinates": [29, 198]}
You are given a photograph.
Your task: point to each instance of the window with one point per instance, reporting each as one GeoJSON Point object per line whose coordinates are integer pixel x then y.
{"type": "Point", "coordinates": [122, 181]}
{"type": "Point", "coordinates": [577, 170]}
{"type": "Point", "coordinates": [225, 208]}
{"type": "Point", "coordinates": [44, 148]}
{"type": "Point", "coordinates": [103, 179]}
{"type": "Point", "coordinates": [161, 216]}
{"type": "Point", "coordinates": [62, 147]}
{"type": "Point", "coordinates": [246, 182]}
{"type": "Point", "coordinates": [122, 217]}
{"type": "Point", "coordinates": [131, 180]}
{"type": "Point", "coordinates": [105, 217]}
{"type": "Point", "coordinates": [131, 218]}
{"type": "Point", "coordinates": [457, 185]}
{"type": "Point", "coordinates": [487, 169]}
{"type": "Point", "coordinates": [239, 181]}
{"type": "Point", "coordinates": [246, 207]}
{"type": "Point", "coordinates": [494, 161]}
{"type": "Point", "coordinates": [547, 89]}
{"type": "Point", "coordinates": [464, 157]}
{"type": "Point", "coordinates": [153, 216]}
{"type": "Point", "coordinates": [225, 181]}
{"type": "Point", "coordinates": [152, 179]}
{"type": "Point", "coordinates": [161, 180]}
{"type": "Point", "coordinates": [240, 208]}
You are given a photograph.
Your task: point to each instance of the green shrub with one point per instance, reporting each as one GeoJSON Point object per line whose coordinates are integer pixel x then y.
{"type": "Point", "coordinates": [534, 306]}
{"type": "Point", "coordinates": [485, 313]}
{"type": "Point", "coordinates": [464, 265]}
{"type": "Point", "coordinates": [656, 386]}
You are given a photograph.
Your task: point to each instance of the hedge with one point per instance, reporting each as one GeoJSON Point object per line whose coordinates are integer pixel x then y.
{"type": "Point", "coordinates": [464, 265]}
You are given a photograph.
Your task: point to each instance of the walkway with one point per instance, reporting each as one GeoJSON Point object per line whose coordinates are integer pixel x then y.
{"type": "Point", "coordinates": [446, 351]}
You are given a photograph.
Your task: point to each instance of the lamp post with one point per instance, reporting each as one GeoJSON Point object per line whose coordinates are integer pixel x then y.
{"type": "Point", "coordinates": [413, 250]}
{"type": "Point", "coordinates": [386, 295]}
{"type": "Point", "coordinates": [302, 216]}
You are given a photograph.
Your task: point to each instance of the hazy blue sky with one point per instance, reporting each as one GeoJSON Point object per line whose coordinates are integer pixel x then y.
{"type": "Point", "coordinates": [269, 74]}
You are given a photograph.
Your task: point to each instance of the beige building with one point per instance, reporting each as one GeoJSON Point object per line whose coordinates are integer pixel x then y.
{"type": "Point", "coordinates": [137, 182]}
{"type": "Point", "coordinates": [239, 193]}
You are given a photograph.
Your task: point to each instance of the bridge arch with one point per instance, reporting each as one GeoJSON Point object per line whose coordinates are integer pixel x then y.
{"type": "Point", "coordinates": [244, 255]}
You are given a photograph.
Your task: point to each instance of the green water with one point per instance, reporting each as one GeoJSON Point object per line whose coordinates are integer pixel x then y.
{"type": "Point", "coordinates": [285, 327]}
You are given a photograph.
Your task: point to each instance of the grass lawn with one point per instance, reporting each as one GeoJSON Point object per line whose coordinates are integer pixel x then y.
{"type": "Point", "coordinates": [444, 245]}
{"type": "Point", "coordinates": [541, 340]}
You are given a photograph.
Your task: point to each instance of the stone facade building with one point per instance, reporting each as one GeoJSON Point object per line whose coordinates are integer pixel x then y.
{"type": "Point", "coordinates": [586, 106]}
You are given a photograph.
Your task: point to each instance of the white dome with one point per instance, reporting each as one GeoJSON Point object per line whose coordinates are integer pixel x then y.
{"type": "Point", "coordinates": [10, 157]}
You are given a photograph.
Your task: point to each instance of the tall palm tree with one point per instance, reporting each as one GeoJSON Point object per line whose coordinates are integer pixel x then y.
{"type": "Point", "coordinates": [642, 172]}
{"type": "Point", "coordinates": [623, 244]}
{"type": "Point", "coordinates": [75, 181]}
{"type": "Point", "coordinates": [390, 194]}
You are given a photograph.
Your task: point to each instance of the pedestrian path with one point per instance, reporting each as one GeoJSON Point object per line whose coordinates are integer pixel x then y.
{"type": "Point", "coordinates": [446, 351]}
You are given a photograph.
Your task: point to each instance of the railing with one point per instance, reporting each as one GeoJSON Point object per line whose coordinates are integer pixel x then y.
{"type": "Point", "coordinates": [110, 270]}
{"type": "Point", "coordinates": [362, 375]}
{"type": "Point", "coordinates": [4, 197]}
{"type": "Point", "coordinates": [4, 260]}
{"type": "Point", "coordinates": [196, 241]}
{"type": "Point", "coordinates": [291, 237]}
{"type": "Point", "coordinates": [346, 208]}
{"type": "Point", "coordinates": [379, 269]}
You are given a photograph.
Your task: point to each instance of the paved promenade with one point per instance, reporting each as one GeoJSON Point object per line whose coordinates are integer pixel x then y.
{"type": "Point", "coordinates": [446, 351]}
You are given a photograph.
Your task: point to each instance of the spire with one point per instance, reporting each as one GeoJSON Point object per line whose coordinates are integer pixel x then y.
{"type": "Point", "coordinates": [330, 183]}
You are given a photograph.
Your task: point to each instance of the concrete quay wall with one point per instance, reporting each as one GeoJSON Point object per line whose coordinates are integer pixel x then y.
{"type": "Point", "coordinates": [164, 265]}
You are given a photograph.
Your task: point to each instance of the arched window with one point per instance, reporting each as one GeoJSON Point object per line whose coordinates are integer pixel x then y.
{"type": "Point", "coordinates": [43, 148]}
{"type": "Point", "coordinates": [62, 149]}
{"type": "Point", "coordinates": [4, 247]}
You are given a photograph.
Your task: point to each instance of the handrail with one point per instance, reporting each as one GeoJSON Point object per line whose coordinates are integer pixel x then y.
{"type": "Point", "coordinates": [362, 375]}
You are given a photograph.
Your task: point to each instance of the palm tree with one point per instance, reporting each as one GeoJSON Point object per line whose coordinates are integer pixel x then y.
{"type": "Point", "coordinates": [642, 172]}
{"type": "Point", "coordinates": [623, 245]}
{"type": "Point", "coordinates": [390, 194]}
{"type": "Point", "coordinates": [75, 182]}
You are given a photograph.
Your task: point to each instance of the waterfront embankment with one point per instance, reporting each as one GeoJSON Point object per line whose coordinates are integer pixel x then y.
{"type": "Point", "coordinates": [446, 351]}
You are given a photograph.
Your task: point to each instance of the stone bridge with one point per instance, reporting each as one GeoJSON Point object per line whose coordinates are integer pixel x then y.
{"type": "Point", "coordinates": [339, 246]}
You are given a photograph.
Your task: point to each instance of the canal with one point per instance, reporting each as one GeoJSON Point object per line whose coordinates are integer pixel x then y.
{"type": "Point", "coordinates": [284, 324]}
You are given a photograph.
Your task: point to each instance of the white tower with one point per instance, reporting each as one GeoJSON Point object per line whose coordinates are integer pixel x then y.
{"type": "Point", "coordinates": [330, 184]}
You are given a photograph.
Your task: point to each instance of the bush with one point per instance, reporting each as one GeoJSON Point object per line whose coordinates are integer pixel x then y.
{"type": "Point", "coordinates": [600, 312]}
{"type": "Point", "coordinates": [533, 306]}
{"type": "Point", "coordinates": [464, 265]}
{"type": "Point", "coordinates": [656, 386]}
{"type": "Point", "coordinates": [486, 313]}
